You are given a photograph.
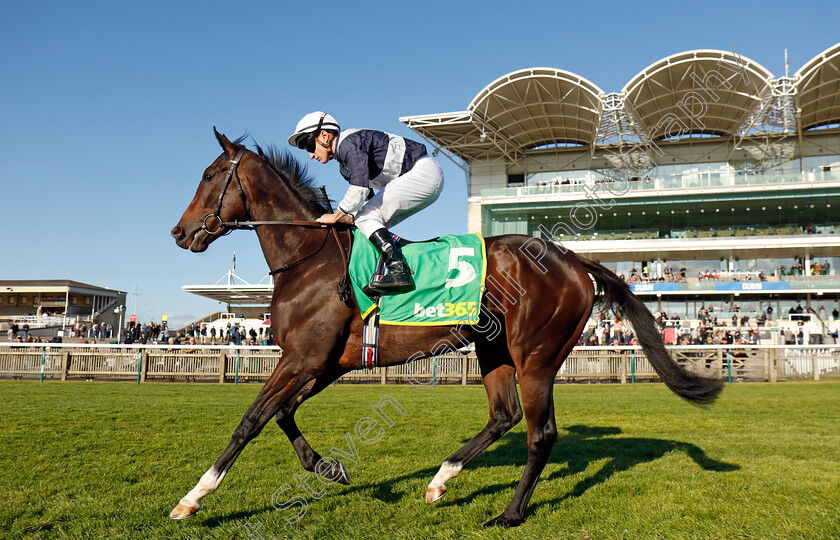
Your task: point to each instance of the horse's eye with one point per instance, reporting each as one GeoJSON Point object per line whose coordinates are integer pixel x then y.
{"type": "Point", "coordinates": [208, 177]}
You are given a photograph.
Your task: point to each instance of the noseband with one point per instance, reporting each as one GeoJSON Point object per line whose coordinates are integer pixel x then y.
{"type": "Point", "coordinates": [231, 173]}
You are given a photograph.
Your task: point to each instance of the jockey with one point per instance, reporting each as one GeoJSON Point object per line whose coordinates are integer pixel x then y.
{"type": "Point", "coordinates": [406, 178]}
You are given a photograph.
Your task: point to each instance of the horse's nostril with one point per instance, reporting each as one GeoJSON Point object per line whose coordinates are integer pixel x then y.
{"type": "Point", "coordinates": [178, 233]}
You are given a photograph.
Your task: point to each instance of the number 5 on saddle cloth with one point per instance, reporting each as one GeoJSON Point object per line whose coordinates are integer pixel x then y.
{"type": "Point", "coordinates": [449, 275]}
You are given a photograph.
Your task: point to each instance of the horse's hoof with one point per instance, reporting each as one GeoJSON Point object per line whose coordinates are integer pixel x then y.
{"type": "Point", "coordinates": [502, 521]}
{"type": "Point", "coordinates": [343, 477]}
{"type": "Point", "coordinates": [434, 494]}
{"type": "Point", "coordinates": [183, 512]}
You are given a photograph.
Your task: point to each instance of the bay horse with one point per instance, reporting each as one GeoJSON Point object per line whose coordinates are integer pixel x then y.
{"type": "Point", "coordinates": [536, 305]}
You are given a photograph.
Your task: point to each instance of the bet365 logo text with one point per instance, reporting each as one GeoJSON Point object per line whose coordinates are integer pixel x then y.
{"type": "Point", "coordinates": [448, 310]}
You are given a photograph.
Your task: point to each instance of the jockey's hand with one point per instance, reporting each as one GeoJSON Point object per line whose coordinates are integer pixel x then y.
{"type": "Point", "coordinates": [335, 217]}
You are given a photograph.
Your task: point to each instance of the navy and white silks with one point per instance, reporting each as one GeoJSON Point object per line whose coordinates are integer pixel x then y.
{"type": "Point", "coordinates": [407, 180]}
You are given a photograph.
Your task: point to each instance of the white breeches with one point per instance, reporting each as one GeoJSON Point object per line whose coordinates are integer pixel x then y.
{"type": "Point", "coordinates": [402, 197]}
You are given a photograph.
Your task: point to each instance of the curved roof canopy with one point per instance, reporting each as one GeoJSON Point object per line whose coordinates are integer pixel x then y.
{"type": "Point", "coordinates": [539, 106]}
{"type": "Point", "coordinates": [702, 91]}
{"type": "Point", "coordinates": [818, 89]}
{"type": "Point", "coordinates": [718, 93]}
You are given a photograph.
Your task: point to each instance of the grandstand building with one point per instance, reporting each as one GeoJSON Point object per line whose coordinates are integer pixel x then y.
{"type": "Point", "coordinates": [58, 303]}
{"type": "Point", "coordinates": [706, 181]}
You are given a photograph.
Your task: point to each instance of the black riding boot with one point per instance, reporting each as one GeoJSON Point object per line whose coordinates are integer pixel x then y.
{"type": "Point", "coordinates": [398, 274]}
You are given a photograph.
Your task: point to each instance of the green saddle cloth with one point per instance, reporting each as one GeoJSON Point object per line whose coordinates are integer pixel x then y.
{"type": "Point", "coordinates": [448, 281]}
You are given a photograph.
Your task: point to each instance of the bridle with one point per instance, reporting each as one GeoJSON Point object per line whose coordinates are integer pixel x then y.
{"type": "Point", "coordinates": [234, 163]}
{"type": "Point", "coordinates": [343, 285]}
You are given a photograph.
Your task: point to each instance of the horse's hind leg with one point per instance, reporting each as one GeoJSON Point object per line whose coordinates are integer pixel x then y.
{"type": "Point", "coordinates": [276, 392]}
{"type": "Point", "coordinates": [309, 459]}
{"type": "Point", "coordinates": [498, 376]}
{"type": "Point", "coordinates": [538, 403]}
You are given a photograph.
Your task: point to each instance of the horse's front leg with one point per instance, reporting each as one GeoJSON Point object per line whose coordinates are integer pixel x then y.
{"type": "Point", "coordinates": [310, 460]}
{"type": "Point", "coordinates": [275, 394]}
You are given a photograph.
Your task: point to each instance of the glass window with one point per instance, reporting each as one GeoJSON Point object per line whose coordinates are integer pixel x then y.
{"type": "Point", "coordinates": [822, 167]}
{"type": "Point", "coordinates": [789, 267]}
{"type": "Point", "coordinates": [786, 167]}
{"type": "Point", "coordinates": [820, 163]}
{"type": "Point", "coordinates": [652, 305]}
{"type": "Point", "coordinates": [788, 304]}
{"type": "Point", "coordinates": [825, 266]}
{"type": "Point", "coordinates": [675, 308]}
{"type": "Point", "coordinates": [559, 178]}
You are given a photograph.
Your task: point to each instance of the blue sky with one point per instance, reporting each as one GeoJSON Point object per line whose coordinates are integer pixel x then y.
{"type": "Point", "coordinates": [107, 108]}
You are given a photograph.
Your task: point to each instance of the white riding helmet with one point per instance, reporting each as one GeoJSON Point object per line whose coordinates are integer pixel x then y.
{"type": "Point", "coordinates": [311, 125]}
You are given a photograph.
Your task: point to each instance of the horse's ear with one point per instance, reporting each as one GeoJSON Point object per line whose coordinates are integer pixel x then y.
{"type": "Point", "coordinates": [226, 145]}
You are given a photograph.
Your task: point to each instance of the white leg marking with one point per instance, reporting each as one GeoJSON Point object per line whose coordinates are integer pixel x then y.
{"type": "Point", "coordinates": [208, 484]}
{"type": "Point", "coordinates": [447, 472]}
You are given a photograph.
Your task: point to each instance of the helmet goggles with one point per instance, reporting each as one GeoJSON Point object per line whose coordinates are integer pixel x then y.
{"type": "Point", "coordinates": [308, 142]}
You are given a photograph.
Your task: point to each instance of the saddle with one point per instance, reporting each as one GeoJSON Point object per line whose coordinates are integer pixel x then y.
{"type": "Point", "coordinates": [449, 274]}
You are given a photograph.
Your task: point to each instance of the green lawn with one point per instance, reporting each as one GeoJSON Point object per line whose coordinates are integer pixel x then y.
{"type": "Point", "coordinates": [110, 460]}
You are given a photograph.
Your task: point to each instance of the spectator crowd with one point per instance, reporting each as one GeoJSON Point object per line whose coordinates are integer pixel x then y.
{"type": "Point", "coordinates": [197, 334]}
{"type": "Point", "coordinates": [712, 327]}
{"type": "Point", "coordinates": [152, 333]}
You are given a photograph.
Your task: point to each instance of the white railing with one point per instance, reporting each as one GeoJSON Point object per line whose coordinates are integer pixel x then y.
{"type": "Point", "coordinates": [234, 364]}
{"type": "Point", "coordinates": [41, 321]}
{"type": "Point", "coordinates": [728, 179]}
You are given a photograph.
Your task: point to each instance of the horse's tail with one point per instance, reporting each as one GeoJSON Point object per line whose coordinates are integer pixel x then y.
{"type": "Point", "coordinates": [617, 295]}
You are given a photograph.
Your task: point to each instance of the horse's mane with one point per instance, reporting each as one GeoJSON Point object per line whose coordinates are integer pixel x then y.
{"type": "Point", "coordinates": [293, 172]}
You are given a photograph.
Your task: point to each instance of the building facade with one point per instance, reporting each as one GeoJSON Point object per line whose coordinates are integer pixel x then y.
{"type": "Point", "coordinates": [53, 302]}
{"type": "Point", "coordinates": [706, 181]}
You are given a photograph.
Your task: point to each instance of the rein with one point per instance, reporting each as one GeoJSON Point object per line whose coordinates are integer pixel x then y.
{"type": "Point", "coordinates": [343, 285]}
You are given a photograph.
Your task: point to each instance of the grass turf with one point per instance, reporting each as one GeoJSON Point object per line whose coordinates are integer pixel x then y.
{"type": "Point", "coordinates": [110, 460]}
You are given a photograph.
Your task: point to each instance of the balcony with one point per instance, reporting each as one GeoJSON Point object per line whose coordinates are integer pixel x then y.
{"type": "Point", "coordinates": [686, 182]}
{"type": "Point", "coordinates": [653, 234]}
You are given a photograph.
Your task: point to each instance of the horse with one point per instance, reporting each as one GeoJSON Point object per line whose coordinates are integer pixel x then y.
{"type": "Point", "coordinates": [536, 305]}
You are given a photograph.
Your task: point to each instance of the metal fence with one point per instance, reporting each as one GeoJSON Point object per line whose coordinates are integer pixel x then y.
{"type": "Point", "coordinates": [234, 364]}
